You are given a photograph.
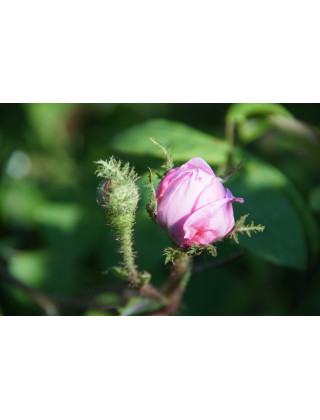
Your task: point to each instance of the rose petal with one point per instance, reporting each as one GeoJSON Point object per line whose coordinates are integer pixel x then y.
{"type": "Point", "coordinates": [198, 163]}
{"type": "Point", "coordinates": [162, 187]}
{"type": "Point", "coordinates": [209, 223]}
{"type": "Point", "coordinates": [213, 192]}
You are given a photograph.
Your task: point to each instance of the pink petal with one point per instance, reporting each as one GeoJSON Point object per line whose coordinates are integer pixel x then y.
{"type": "Point", "coordinates": [229, 195]}
{"type": "Point", "coordinates": [198, 163]}
{"type": "Point", "coordinates": [162, 187]}
{"type": "Point", "coordinates": [210, 222]}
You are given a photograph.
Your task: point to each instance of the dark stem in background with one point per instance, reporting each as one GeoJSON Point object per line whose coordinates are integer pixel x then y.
{"type": "Point", "coordinates": [153, 293]}
{"type": "Point", "coordinates": [229, 133]}
{"type": "Point", "coordinates": [48, 307]}
{"type": "Point", "coordinates": [49, 303]}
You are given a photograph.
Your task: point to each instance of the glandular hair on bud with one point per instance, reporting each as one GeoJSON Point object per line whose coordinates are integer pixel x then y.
{"type": "Point", "coordinates": [119, 195]}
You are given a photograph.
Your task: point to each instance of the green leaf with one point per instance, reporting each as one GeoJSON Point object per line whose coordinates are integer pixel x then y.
{"type": "Point", "coordinates": [49, 121]}
{"type": "Point", "coordinates": [63, 216]}
{"type": "Point", "coordinates": [240, 112]}
{"type": "Point", "coordinates": [30, 267]}
{"type": "Point", "coordinates": [253, 120]}
{"type": "Point", "coordinates": [252, 129]}
{"type": "Point", "coordinates": [138, 305]}
{"type": "Point", "coordinates": [315, 199]}
{"type": "Point", "coordinates": [272, 200]}
{"type": "Point", "coordinates": [19, 200]}
{"type": "Point", "coordinates": [118, 272]}
{"type": "Point", "coordinates": [185, 142]}
{"type": "Point", "coordinates": [296, 136]}
{"type": "Point", "coordinates": [108, 298]}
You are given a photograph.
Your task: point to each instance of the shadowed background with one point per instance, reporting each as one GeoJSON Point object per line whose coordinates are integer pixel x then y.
{"type": "Point", "coordinates": [54, 244]}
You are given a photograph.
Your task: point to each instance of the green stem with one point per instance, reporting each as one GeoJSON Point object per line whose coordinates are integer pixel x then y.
{"type": "Point", "coordinates": [179, 277]}
{"type": "Point", "coordinates": [229, 133]}
{"type": "Point", "coordinates": [126, 248]}
{"type": "Point", "coordinates": [153, 293]}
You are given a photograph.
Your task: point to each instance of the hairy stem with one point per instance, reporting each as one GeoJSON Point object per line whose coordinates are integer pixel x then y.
{"type": "Point", "coordinates": [126, 249]}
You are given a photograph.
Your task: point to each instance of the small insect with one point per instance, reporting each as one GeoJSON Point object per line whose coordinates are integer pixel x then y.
{"type": "Point", "coordinates": [103, 191]}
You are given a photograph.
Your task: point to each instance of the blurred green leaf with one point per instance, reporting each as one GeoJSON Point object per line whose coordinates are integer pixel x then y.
{"type": "Point", "coordinates": [252, 129]}
{"type": "Point", "coordinates": [49, 121]}
{"type": "Point", "coordinates": [108, 298]}
{"type": "Point", "coordinates": [18, 200]}
{"type": "Point", "coordinates": [185, 142]}
{"type": "Point", "coordinates": [240, 112]}
{"type": "Point", "coordinates": [253, 120]}
{"type": "Point", "coordinates": [273, 201]}
{"type": "Point", "coordinates": [315, 199]}
{"type": "Point", "coordinates": [96, 312]}
{"type": "Point", "coordinates": [138, 305]}
{"type": "Point", "coordinates": [61, 215]}
{"type": "Point", "coordinates": [273, 176]}
{"type": "Point", "coordinates": [30, 267]}
{"type": "Point", "coordinates": [297, 136]}
{"type": "Point", "coordinates": [117, 272]}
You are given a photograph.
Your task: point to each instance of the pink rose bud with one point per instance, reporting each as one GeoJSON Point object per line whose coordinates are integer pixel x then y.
{"type": "Point", "coordinates": [193, 206]}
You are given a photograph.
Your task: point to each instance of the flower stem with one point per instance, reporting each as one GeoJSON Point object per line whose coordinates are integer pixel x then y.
{"type": "Point", "coordinates": [179, 277]}
{"type": "Point", "coordinates": [125, 236]}
{"type": "Point", "coordinates": [153, 293]}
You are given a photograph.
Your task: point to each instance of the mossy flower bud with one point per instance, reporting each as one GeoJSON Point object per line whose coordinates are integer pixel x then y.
{"type": "Point", "coordinates": [118, 194]}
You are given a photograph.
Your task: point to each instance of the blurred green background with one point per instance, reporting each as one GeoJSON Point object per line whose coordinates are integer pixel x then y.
{"type": "Point", "coordinates": [54, 244]}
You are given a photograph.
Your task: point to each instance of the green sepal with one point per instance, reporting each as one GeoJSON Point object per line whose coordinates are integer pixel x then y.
{"type": "Point", "coordinates": [198, 249]}
{"type": "Point", "coordinates": [118, 272]}
{"type": "Point", "coordinates": [240, 227]}
{"type": "Point", "coordinates": [152, 205]}
{"type": "Point", "coordinates": [168, 160]}
{"type": "Point", "coordinates": [144, 278]}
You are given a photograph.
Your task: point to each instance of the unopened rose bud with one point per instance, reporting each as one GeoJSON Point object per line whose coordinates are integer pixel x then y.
{"type": "Point", "coordinates": [193, 206]}
{"type": "Point", "coordinates": [118, 194]}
